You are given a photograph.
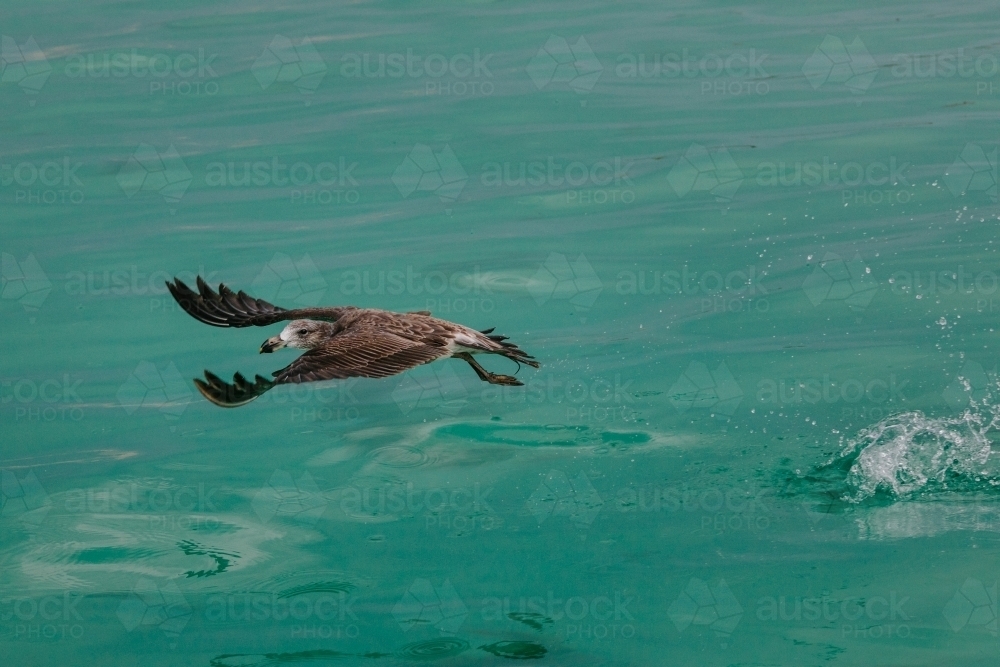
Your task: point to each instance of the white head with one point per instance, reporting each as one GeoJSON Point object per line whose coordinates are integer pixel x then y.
{"type": "Point", "coordinates": [301, 334]}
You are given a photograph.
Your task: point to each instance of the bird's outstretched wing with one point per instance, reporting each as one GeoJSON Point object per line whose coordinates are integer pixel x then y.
{"type": "Point", "coordinates": [227, 308]}
{"type": "Point", "coordinates": [233, 395]}
{"type": "Point", "coordinates": [366, 352]}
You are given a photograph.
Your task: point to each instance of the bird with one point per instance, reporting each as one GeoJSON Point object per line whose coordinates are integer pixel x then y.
{"type": "Point", "coordinates": [339, 341]}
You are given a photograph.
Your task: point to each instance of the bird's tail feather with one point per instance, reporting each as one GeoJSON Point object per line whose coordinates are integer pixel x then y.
{"type": "Point", "coordinates": [510, 350]}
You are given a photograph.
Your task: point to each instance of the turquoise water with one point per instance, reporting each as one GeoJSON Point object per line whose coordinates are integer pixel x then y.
{"type": "Point", "coordinates": [753, 248]}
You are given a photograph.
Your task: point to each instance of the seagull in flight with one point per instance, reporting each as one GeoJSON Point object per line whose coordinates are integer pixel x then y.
{"type": "Point", "coordinates": [340, 342]}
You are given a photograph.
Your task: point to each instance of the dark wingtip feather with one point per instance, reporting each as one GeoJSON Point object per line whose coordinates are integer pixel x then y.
{"type": "Point", "coordinates": [224, 308]}
{"type": "Point", "coordinates": [233, 395]}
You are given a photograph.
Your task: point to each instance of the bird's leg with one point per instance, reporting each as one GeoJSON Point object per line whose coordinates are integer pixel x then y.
{"type": "Point", "coordinates": [485, 375]}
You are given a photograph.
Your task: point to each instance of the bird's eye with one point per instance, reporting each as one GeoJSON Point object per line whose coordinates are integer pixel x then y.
{"type": "Point", "coordinates": [303, 332]}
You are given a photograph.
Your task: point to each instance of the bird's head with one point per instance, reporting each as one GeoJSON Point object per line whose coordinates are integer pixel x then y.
{"type": "Point", "coordinates": [302, 334]}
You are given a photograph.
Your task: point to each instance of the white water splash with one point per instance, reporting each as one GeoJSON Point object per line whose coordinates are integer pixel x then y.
{"type": "Point", "coordinates": [910, 452]}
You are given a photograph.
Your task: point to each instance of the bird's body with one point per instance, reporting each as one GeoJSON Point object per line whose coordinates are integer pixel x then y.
{"type": "Point", "coordinates": [340, 342]}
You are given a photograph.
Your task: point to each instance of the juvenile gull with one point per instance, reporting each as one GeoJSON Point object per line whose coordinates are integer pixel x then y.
{"type": "Point", "coordinates": [340, 342]}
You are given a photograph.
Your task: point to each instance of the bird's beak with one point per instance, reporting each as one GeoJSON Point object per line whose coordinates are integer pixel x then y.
{"type": "Point", "coordinates": [271, 344]}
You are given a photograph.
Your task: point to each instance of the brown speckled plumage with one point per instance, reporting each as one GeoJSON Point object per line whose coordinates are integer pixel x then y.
{"type": "Point", "coordinates": [340, 342]}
